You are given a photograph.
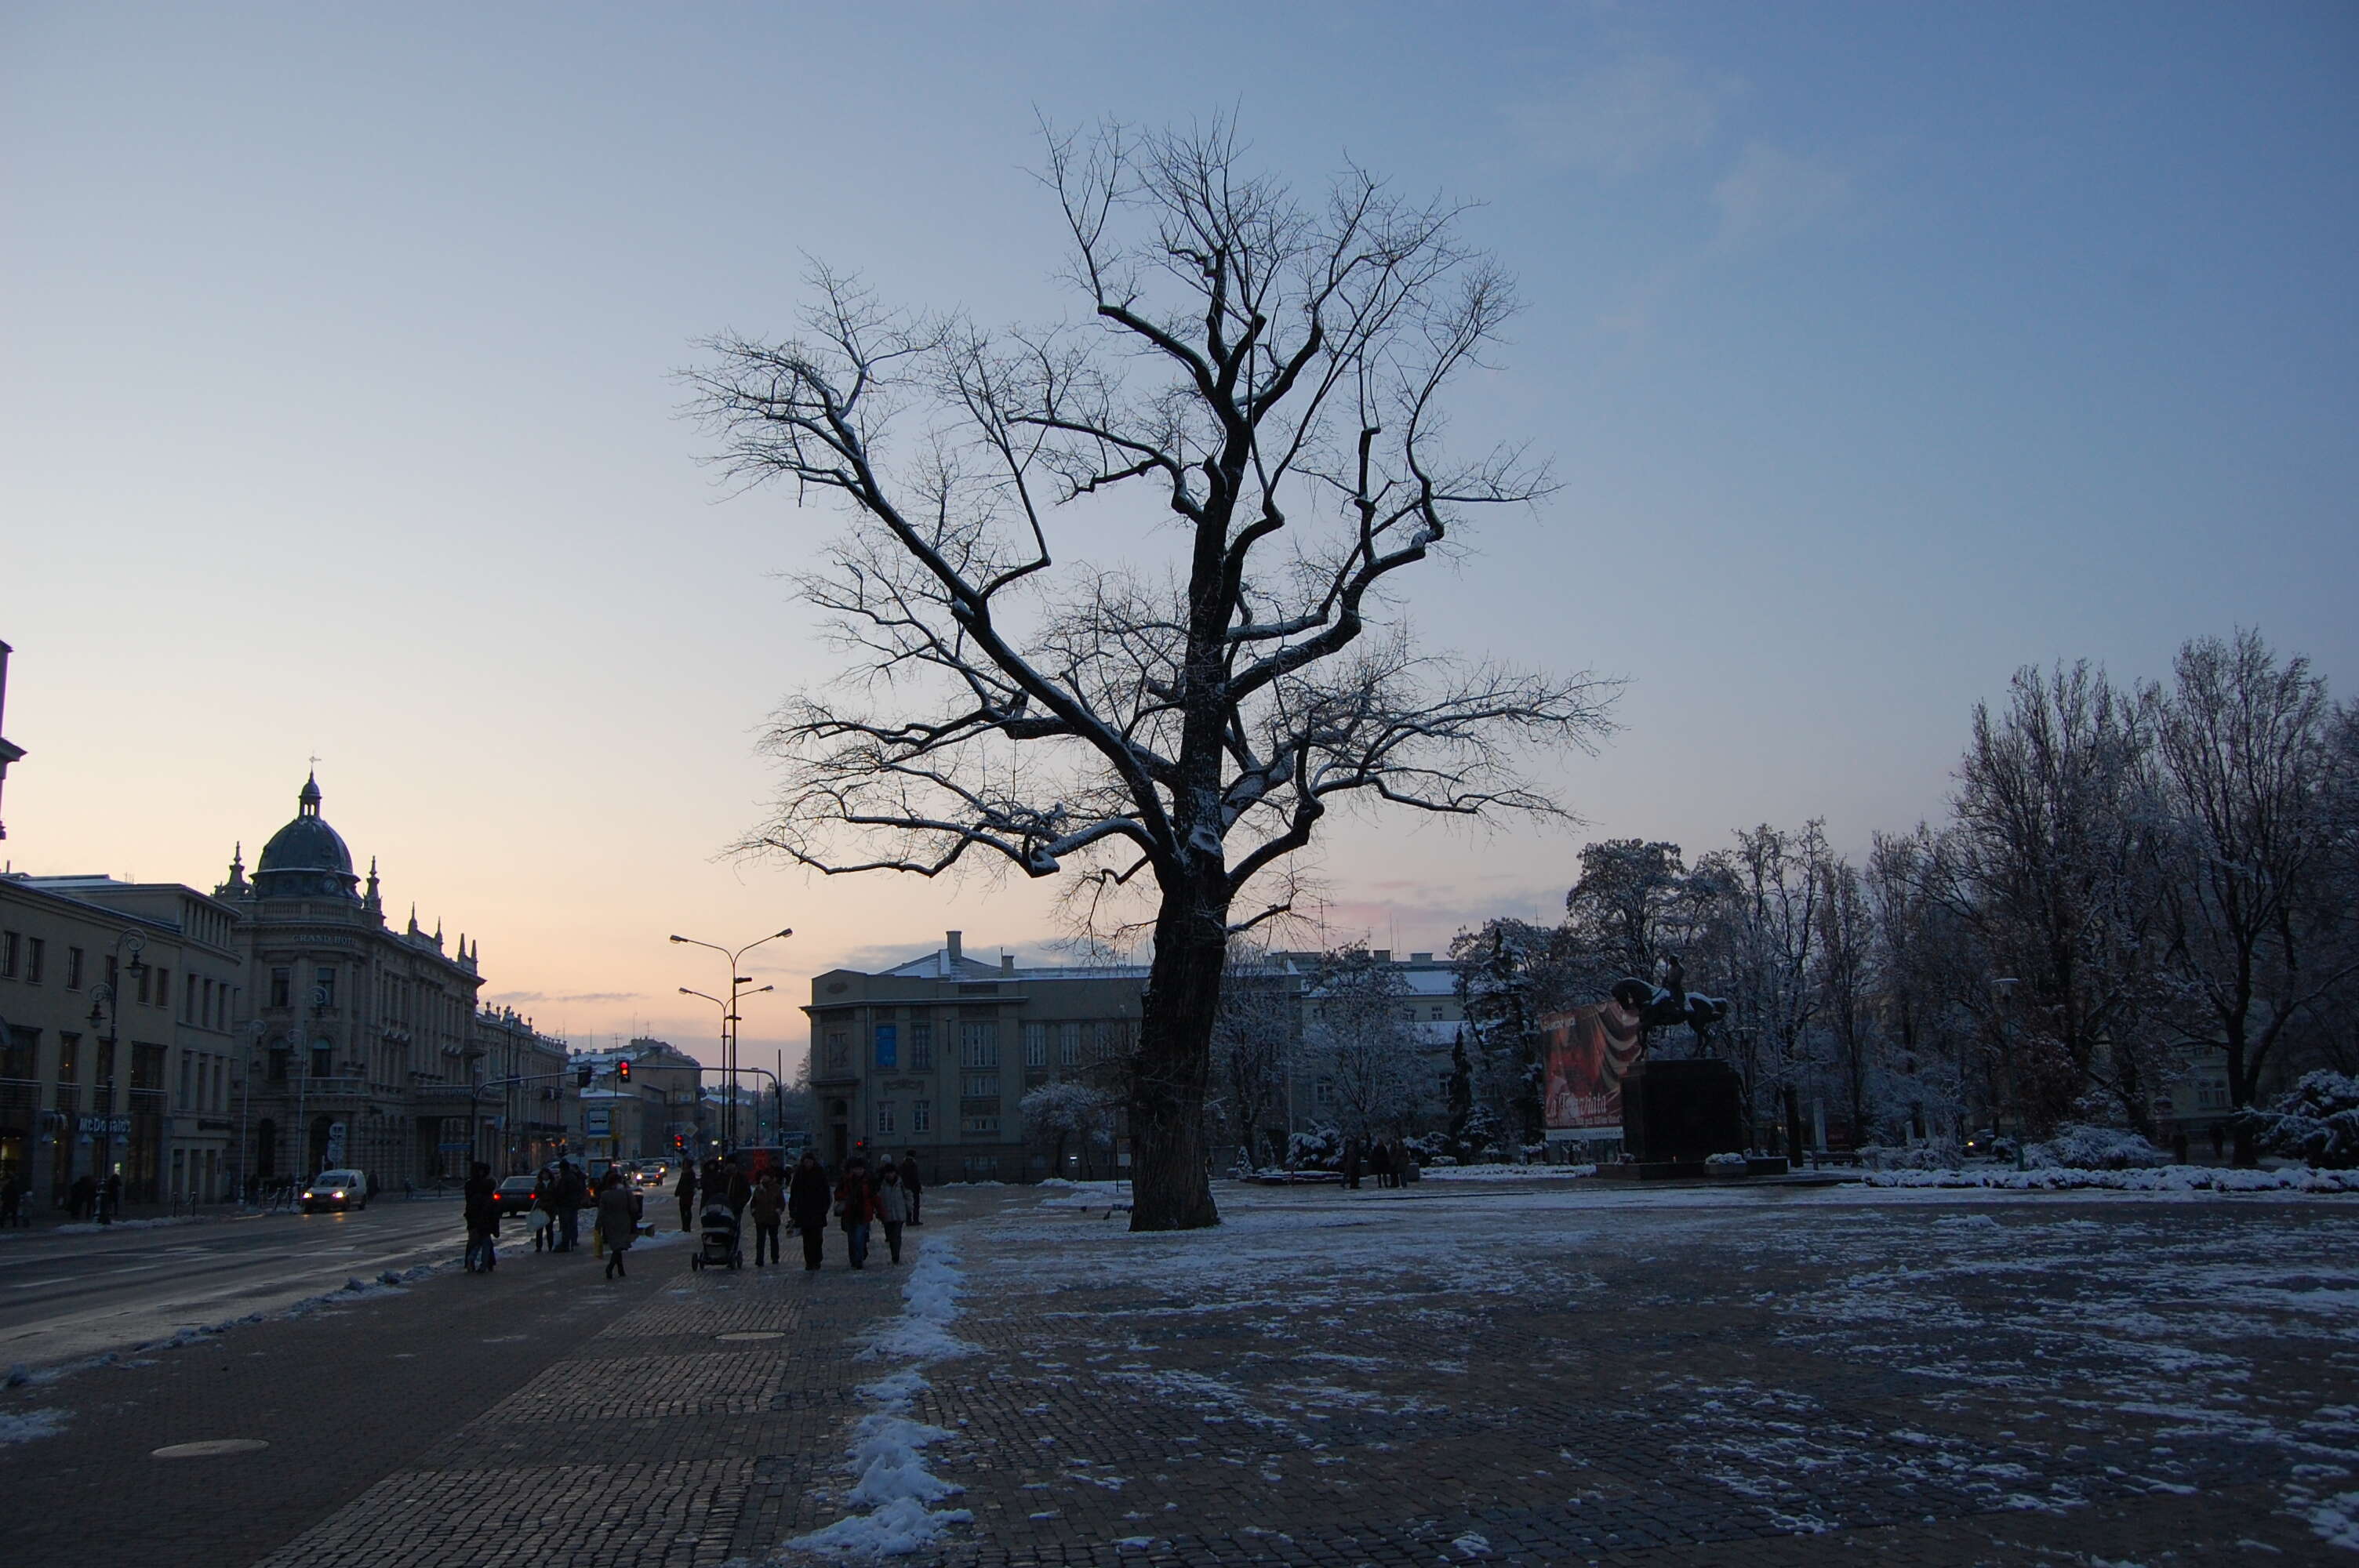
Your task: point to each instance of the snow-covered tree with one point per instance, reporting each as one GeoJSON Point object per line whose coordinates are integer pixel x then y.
{"type": "Point", "coordinates": [1063, 1112]}
{"type": "Point", "coordinates": [1509, 974]}
{"type": "Point", "coordinates": [1254, 1048]}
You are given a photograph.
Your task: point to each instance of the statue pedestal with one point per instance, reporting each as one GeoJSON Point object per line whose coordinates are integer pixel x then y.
{"type": "Point", "coordinates": [1682, 1113]}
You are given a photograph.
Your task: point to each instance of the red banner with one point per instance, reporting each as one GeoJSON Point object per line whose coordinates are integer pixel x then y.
{"type": "Point", "coordinates": [1588, 1049]}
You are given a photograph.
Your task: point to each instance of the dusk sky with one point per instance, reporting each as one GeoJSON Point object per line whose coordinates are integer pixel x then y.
{"type": "Point", "coordinates": [1880, 350]}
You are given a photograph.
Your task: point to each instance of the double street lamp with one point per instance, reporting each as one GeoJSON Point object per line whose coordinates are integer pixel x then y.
{"type": "Point", "coordinates": [106, 1007]}
{"type": "Point", "coordinates": [737, 983]}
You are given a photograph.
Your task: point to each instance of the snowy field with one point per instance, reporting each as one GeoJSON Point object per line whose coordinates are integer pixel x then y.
{"type": "Point", "coordinates": [1525, 1372]}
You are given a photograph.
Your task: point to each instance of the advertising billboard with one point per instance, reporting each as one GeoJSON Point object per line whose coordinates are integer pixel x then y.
{"type": "Point", "coordinates": [1588, 1049]}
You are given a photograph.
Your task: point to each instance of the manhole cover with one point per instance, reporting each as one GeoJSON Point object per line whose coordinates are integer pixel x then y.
{"type": "Point", "coordinates": [753, 1334]}
{"type": "Point", "coordinates": [210, 1448]}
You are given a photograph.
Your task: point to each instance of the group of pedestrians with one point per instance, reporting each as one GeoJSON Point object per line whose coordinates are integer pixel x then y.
{"type": "Point", "coordinates": [1387, 1159]}
{"type": "Point", "coordinates": [860, 1201]}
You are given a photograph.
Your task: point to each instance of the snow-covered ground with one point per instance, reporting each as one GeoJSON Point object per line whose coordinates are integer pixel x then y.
{"type": "Point", "coordinates": [1712, 1361]}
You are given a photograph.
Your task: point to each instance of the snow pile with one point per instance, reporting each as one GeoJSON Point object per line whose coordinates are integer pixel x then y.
{"type": "Point", "coordinates": [2337, 1520]}
{"type": "Point", "coordinates": [30, 1425]}
{"type": "Point", "coordinates": [90, 1227]}
{"type": "Point", "coordinates": [1505, 1173]}
{"type": "Point", "coordinates": [2160, 1179]}
{"type": "Point", "coordinates": [2082, 1147]}
{"type": "Point", "coordinates": [1726, 1163]}
{"type": "Point", "coordinates": [887, 1445]}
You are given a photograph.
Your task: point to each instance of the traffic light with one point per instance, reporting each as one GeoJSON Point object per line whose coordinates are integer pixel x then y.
{"type": "Point", "coordinates": [679, 1143]}
{"type": "Point", "coordinates": [622, 1069]}
{"type": "Point", "coordinates": [581, 1077]}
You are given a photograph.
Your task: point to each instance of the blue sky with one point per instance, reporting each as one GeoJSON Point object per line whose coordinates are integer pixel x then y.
{"type": "Point", "coordinates": [1880, 350]}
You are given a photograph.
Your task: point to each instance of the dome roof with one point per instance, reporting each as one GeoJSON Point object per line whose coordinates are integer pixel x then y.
{"type": "Point", "coordinates": [307, 856]}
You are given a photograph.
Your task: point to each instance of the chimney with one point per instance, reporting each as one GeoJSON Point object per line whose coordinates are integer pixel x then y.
{"type": "Point", "coordinates": [951, 944]}
{"type": "Point", "coordinates": [1007, 965]}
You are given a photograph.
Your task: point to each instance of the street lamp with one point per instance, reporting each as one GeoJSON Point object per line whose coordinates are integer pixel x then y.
{"type": "Point", "coordinates": [106, 1007]}
{"type": "Point", "coordinates": [729, 1017]}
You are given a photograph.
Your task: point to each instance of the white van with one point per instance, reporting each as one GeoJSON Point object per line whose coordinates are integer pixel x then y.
{"type": "Point", "coordinates": [336, 1190]}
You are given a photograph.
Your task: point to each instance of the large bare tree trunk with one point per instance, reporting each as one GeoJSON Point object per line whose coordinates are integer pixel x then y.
{"type": "Point", "coordinates": [1171, 1186]}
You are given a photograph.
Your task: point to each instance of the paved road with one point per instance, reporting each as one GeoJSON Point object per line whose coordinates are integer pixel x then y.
{"type": "Point", "coordinates": [66, 1297]}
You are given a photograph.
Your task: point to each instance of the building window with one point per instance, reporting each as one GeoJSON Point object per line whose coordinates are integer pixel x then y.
{"type": "Point", "coordinates": [978, 1085]}
{"type": "Point", "coordinates": [73, 968]}
{"type": "Point", "coordinates": [979, 1044]}
{"type": "Point", "coordinates": [326, 989]}
{"type": "Point", "coordinates": [888, 1048]}
{"type": "Point", "coordinates": [19, 1047]}
{"type": "Point", "coordinates": [35, 949]}
{"type": "Point", "coordinates": [884, 1123]}
{"type": "Point", "coordinates": [8, 944]}
{"type": "Point", "coordinates": [1322, 1094]}
{"type": "Point", "coordinates": [1035, 1044]}
{"type": "Point", "coordinates": [980, 1167]}
{"type": "Point", "coordinates": [68, 1059]}
{"type": "Point", "coordinates": [1437, 1015]}
{"type": "Point", "coordinates": [978, 1124]}
{"type": "Point", "coordinates": [279, 980]}
{"type": "Point", "coordinates": [921, 1116]}
{"type": "Point", "coordinates": [1068, 1045]}
{"type": "Point", "coordinates": [921, 1047]}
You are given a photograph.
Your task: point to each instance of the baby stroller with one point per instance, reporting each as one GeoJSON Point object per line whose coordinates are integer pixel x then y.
{"type": "Point", "coordinates": [718, 1245]}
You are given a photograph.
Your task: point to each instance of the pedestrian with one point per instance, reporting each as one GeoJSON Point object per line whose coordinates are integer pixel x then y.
{"type": "Point", "coordinates": [741, 1191]}
{"type": "Point", "coordinates": [1380, 1162]}
{"type": "Point", "coordinates": [110, 1199]}
{"type": "Point", "coordinates": [482, 1213]}
{"type": "Point", "coordinates": [855, 1206]}
{"type": "Point", "coordinates": [82, 1197]}
{"type": "Point", "coordinates": [912, 1184]}
{"type": "Point", "coordinates": [685, 1193]}
{"type": "Point", "coordinates": [768, 1203]}
{"type": "Point", "coordinates": [11, 1201]}
{"type": "Point", "coordinates": [806, 1205]}
{"type": "Point", "coordinates": [618, 1222]}
{"type": "Point", "coordinates": [1352, 1164]}
{"type": "Point", "coordinates": [573, 1196]}
{"type": "Point", "coordinates": [892, 1207]}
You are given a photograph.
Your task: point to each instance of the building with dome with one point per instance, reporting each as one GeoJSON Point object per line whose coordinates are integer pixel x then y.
{"type": "Point", "coordinates": [369, 1047]}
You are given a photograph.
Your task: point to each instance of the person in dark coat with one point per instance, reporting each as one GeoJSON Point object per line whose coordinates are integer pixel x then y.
{"type": "Point", "coordinates": [741, 1190]}
{"type": "Point", "coordinates": [1380, 1162]}
{"type": "Point", "coordinates": [767, 1205]}
{"type": "Point", "coordinates": [573, 1196]}
{"type": "Point", "coordinates": [912, 1184]}
{"type": "Point", "coordinates": [807, 1206]}
{"type": "Point", "coordinates": [1352, 1164]}
{"type": "Point", "coordinates": [482, 1221]}
{"type": "Point", "coordinates": [685, 1191]}
{"type": "Point", "coordinates": [83, 1197]}
{"type": "Point", "coordinates": [855, 1209]}
{"type": "Point", "coordinates": [618, 1222]}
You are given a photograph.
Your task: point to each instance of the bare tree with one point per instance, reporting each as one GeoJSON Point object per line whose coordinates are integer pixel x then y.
{"type": "Point", "coordinates": [2259, 922]}
{"type": "Point", "coordinates": [1255, 1039]}
{"type": "Point", "coordinates": [1762, 930]}
{"type": "Point", "coordinates": [1359, 1033]}
{"type": "Point", "coordinates": [1059, 1112]}
{"type": "Point", "coordinates": [1508, 974]}
{"type": "Point", "coordinates": [1267, 376]}
{"type": "Point", "coordinates": [2049, 866]}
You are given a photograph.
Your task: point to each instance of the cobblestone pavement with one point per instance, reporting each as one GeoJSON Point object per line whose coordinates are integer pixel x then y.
{"type": "Point", "coordinates": [1454, 1374]}
{"type": "Point", "coordinates": [1451, 1374]}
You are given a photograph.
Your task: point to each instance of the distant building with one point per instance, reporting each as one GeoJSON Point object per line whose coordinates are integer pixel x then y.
{"type": "Point", "coordinates": [655, 1115]}
{"type": "Point", "coordinates": [119, 1049]}
{"type": "Point", "coordinates": [935, 1055]}
{"type": "Point", "coordinates": [1430, 1005]}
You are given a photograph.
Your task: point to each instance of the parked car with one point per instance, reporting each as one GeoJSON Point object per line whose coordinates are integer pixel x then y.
{"type": "Point", "coordinates": [337, 1190]}
{"type": "Point", "coordinates": [517, 1194]}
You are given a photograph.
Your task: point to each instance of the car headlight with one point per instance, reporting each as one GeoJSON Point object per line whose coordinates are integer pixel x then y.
{"type": "Point", "coordinates": [337, 1193]}
{"type": "Point", "coordinates": [308, 1197]}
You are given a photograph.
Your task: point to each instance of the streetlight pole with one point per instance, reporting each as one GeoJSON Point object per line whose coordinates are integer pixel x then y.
{"type": "Point", "coordinates": [255, 1029]}
{"type": "Point", "coordinates": [729, 1017]}
{"type": "Point", "coordinates": [107, 992]}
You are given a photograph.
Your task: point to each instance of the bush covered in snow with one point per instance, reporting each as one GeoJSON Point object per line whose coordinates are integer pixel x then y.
{"type": "Point", "coordinates": [1321, 1149]}
{"type": "Point", "coordinates": [1725, 1162]}
{"type": "Point", "coordinates": [2317, 1123]}
{"type": "Point", "coordinates": [2082, 1147]}
{"type": "Point", "coordinates": [2162, 1179]}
